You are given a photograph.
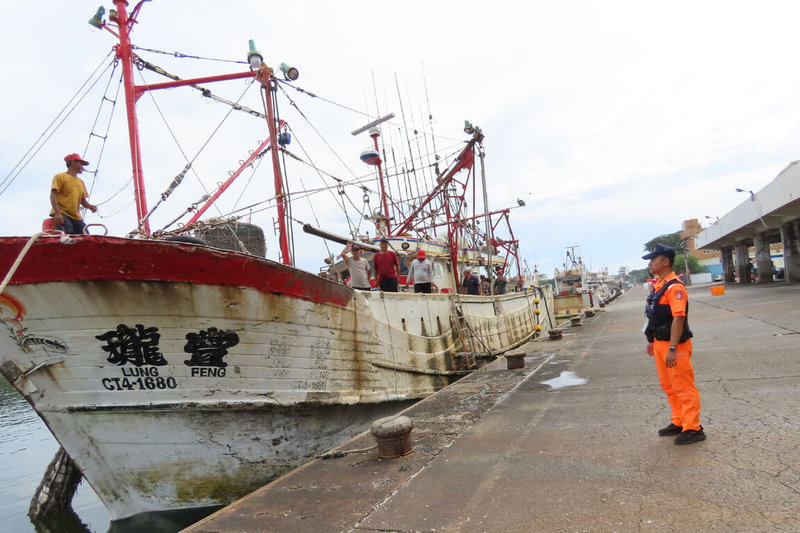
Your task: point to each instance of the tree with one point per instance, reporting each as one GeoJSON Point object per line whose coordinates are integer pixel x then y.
{"type": "Point", "coordinates": [670, 239]}
{"type": "Point", "coordinates": [638, 276]}
{"type": "Point", "coordinates": [681, 252]}
{"type": "Point", "coordinates": [694, 264]}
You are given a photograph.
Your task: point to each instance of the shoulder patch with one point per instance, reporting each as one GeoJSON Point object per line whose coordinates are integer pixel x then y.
{"type": "Point", "coordinates": [679, 294]}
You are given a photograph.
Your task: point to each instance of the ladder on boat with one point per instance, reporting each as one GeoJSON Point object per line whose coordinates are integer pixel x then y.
{"type": "Point", "coordinates": [471, 345]}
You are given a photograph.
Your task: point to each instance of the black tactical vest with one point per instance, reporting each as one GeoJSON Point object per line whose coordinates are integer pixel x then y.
{"type": "Point", "coordinates": [659, 316]}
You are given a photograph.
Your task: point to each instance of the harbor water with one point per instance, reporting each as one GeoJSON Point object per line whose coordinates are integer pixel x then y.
{"type": "Point", "coordinates": [26, 448]}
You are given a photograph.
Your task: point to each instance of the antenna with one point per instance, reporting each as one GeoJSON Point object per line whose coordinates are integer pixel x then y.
{"type": "Point", "coordinates": [372, 124]}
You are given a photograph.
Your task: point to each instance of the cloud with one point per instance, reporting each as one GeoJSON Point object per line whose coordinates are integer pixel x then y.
{"type": "Point", "coordinates": [613, 121]}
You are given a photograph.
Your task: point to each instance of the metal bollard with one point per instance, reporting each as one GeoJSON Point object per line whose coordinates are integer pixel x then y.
{"type": "Point", "coordinates": [515, 360]}
{"type": "Point", "coordinates": [393, 434]}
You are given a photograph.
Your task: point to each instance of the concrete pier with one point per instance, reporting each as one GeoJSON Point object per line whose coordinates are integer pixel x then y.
{"type": "Point", "coordinates": [569, 443]}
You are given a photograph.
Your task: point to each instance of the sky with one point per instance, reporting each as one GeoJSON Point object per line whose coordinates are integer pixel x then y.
{"type": "Point", "coordinates": [613, 121]}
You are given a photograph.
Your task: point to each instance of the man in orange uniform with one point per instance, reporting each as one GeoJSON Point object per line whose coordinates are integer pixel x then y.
{"type": "Point", "coordinates": [670, 343]}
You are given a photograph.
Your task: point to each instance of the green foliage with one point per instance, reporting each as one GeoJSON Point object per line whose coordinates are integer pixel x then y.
{"type": "Point", "coordinates": [694, 265]}
{"type": "Point", "coordinates": [670, 239]}
{"type": "Point", "coordinates": [638, 276]}
{"type": "Point", "coordinates": [679, 266]}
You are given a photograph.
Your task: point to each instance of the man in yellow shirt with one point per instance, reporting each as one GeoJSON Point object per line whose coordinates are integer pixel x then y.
{"type": "Point", "coordinates": [67, 194]}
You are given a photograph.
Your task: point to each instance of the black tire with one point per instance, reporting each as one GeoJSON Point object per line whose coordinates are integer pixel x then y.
{"type": "Point", "coordinates": [186, 239]}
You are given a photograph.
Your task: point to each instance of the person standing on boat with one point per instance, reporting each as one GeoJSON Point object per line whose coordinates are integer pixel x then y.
{"type": "Point", "coordinates": [669, 342]}
{"type": "Point", "coordinates": [471, 284]}
{"type": "Point", "coordinates": [358, 266]}
{"type": "Point", "coordinates": [484, 285]}
{"type": "Point", "coordinates": [420, 272]}
{"type": "Point", "coordinates": [386, 268]}
{"type": "Point", "coordinates": [67, 195]}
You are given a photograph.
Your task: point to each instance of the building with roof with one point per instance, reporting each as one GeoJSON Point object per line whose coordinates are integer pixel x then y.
{"type": "Point", "coordinates": [707, 257]}
{"type": "Point", "coordinates": [767, 217]}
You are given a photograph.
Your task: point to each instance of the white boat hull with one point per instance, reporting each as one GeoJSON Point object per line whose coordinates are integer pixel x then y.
{"type": "Point", "coordinates": [180, 376]}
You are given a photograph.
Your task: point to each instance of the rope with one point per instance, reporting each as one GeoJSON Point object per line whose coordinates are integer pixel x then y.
{"type": "Point", "coordinates": [17, 262]}
{"type": "Point", "coordinates": [342, 453]}
{"type": "Point", "coordinates": [391, 343]}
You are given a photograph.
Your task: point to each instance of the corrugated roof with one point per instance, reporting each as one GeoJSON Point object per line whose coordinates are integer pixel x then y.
{"type": "Point", "coordinates": [766, 210]}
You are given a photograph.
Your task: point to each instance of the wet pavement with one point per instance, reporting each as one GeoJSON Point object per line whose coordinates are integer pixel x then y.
{"type": "Point", "coordinates": [569, 443]}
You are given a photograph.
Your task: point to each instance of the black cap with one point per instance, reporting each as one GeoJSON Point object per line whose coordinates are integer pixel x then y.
{"type": "Point", "coordinates": [661, 249]}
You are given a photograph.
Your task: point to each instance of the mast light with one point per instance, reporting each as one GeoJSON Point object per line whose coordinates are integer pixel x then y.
{"type": "Point", "coordinates": [254, 57]}
{"type": "Point", "coordinates": [97, 19]}
{"type": "Point", "coordinates": [290, 73]}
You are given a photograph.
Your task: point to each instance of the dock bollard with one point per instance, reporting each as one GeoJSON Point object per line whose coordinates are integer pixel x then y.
{"type": "Point", "coordinates": [515, 360]}
{"type": "Point", "coordinates": [575, 321]}
{"type": "Point", "coordinates": [393, 434]}
{"type": "Point", "coordinates": [555, 334]}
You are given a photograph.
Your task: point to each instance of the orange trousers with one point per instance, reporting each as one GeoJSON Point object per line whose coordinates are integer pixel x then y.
{"type": "Point", "coordinates": [678, 384]}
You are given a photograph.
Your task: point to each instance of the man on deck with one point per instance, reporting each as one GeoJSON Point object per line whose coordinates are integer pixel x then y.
{"type": "Point", "coordinates": [386, 268]}
{"type": "Point", "coordinates": [471, 284]}
{"type": "Point", "coordinates": [420, 272]}
{"type": "Point", "coordinates": [67, 195]}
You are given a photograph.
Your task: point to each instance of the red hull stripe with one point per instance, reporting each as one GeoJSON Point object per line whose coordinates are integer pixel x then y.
{"type": "Point", "coordinates": [89, 258]}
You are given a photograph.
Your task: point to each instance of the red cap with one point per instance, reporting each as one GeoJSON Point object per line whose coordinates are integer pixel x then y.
{"type": "Point", "coordinates": [75, 157]}
{"type": "Point", "coordinates": [421, 253]}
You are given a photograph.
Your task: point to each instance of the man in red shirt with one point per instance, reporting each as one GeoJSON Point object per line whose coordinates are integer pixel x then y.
{"type": "Point", "coordinates": [669, 342]}
{"type": "Point", "coordinates": [386, 268]}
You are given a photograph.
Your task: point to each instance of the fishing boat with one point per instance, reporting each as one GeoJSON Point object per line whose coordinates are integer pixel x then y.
{"type": "Point", "coordinates": [179, 371]}
{"type": "Point", "coordinates": [578, 289]}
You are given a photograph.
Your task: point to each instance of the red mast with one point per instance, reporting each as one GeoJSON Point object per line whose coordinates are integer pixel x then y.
{"type": "Point", "coordinates": [260, 71]}
{"type": "Point", "coordinates": [265, 74]}
{"type": "Point", "coordinates": [125, 55]}
{"type": "Point", "coordinates": [374, 133]}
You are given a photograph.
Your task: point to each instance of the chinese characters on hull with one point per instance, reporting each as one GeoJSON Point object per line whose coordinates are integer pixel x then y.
{"type": "Point", "coordinates": [139, 346]}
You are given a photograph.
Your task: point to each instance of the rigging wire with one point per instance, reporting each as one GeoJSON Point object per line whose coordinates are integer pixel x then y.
{"type": "Point", "coordinates": [125, 186]}
{"type": "Point", "coordinates": [350, 224]}
{"type": "Point", "coordinates": [183, 153]}
{"type": "Point", "coordinates": [427, 101]}
{"type": "Point", "coordinates": [180, 55]}
{"type": "Point", "coordinates": [255, 167]}
{"type": "Point", "coordinates": [108, 125]}
{"type": "Point", "coordinates": [324, 140]}
{"type": "Point", "coordinates": [203, 90]}
{"type": "Point", "coordinates": [327, 187]}
{"type": "Point", "coordinates": [424, 169]}
{"type": "Point", "coordinates": [412, 171]}
{"type": "Point", "coordinates": [285, 173]}
{"type": "Point", "coordinates": [347, 108]}
{"type": "Point", "coordinates": [42, 140]}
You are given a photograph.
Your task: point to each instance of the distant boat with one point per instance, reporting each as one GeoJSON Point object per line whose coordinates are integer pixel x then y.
{"type": "Point", "coordinates": [178, 373]}
{"type": "Point", "coordinates": [577, 289]}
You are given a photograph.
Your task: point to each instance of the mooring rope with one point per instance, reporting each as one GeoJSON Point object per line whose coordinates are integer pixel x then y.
{"type": "Point", "coordinates": [21, 255]}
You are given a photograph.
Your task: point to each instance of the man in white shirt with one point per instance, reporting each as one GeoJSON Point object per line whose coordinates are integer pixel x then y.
{"type": "Point", "coordinates": [421, 273]}
{"type": "Point", "coordinates": [358, 266]}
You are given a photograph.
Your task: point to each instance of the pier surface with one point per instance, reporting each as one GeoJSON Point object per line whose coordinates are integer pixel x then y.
{"type": "Point", "coordinates": [501, 450]}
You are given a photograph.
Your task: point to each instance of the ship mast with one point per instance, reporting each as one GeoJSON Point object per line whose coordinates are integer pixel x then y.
{"type": "Point", "coordinates": [259, 71]}
{"type": "Point", "coordinates": [124, 53]}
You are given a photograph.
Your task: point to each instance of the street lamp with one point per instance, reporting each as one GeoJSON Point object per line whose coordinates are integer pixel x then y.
{"type": "Point", "coordinates": [714, 219]}
{"type": "Point", "coordinates": [752, 196]}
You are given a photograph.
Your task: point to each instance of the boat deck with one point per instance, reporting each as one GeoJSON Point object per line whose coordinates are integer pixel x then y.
{"type": "Point", "coordinates": [502, 450]}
